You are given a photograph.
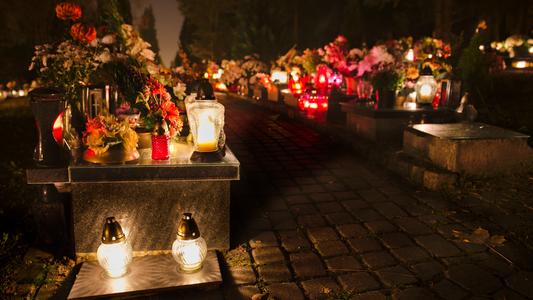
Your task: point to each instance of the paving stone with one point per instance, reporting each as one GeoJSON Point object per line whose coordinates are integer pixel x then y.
{"type": "Point", "coordinates": [276, 204]}
{"type": "Point", "coordinates": [322, 197]}
{"type": "Point", "coordinates": [372, 196]}
{"type": "Point", "coordinates": [319, 287]}
{"type": "Point", "coordinates": [367, 215]}
{"type": "Point", "coordinates": [414, 293]}
{"type": "Point", "coordinates": [449, 291]}
{"type": "Point", "coordinates": [522, 282]}
{"type": "Point", "coordinates": [276, 272]}
{"type": "Point", "coordinates": [339, 218]}
{"type": "Point", "coordinates": [267, 255]}
{"type": "Point", "coordinates": [473, 278]}
{"type": "Point", "coordinates": [331, 248]}
{"type": "Point", "coordinates": [508, 294]}
{"type": "Point", "coordinates": [395, 240]}
{"type": "Point", "coordinates": [286, 290]}
{"type": "Point", "coordinates": [264, 239]}
{"type": "Point", "coordinates": [427, 270]}
{"type": "Point", "coordinates": [243, 292]}
{"type": "Point", "coordinates": [307, 264]}
{"type": "Point", "coordinates": [325, 178]}
{"type": "Point", "coordinates": [290, 190]}
{"type": "Point", "coordinates": [497, 265]}
{"type": "Point", "coordinates": [322, 234]}
{"type": "Point", "coordinates": [341, 264]}
{"type": "Point", "coordinates": [305, 180]}
{"type": "Point", "coordinates": [303, 209]}
{"type": "Point", "coordinates": [361, 245]}
{"type": "Point", "coordinates": [379, 259]}
{"type": "Point", "coordinates": [373, 295]}
{"type": "Point", "coordinates": [437, 246]}
{"type": "Point", "coordinates": [329, 207]}
{"type": "Point", "coordinates": [470, 247]}
{"type": "Point", "coordinates": [396, 276]}
{"type": "Point", "coordinates": [309, 221]}
{"type": "Point", "coordinates": [345, 195]}
{"type": "Point", "coordinates": [389, 209]}
{"type": "Point", "coordinates": [354, 205]}
{"type": "Point", "coordinates": [281, 220]}
{"type": "Point", "coordinates": [258, 224]}
{"type": "Point", "coordinates": [293, 241]}
{"type": "Point", "coordinates": [358, 282]}
{"type": "Point", "coordinates": [297, 199]}
{"type": "Point", "coordinates": [381, 226]}
{"type": "Point", "coordinates": [410, 254]}
{"type": "Point", "coordinates": [312, 188]}
{"type": "Point", "coordinates": [352, 230]}
{"type": "Point", "coordinates": [433, 220]}
{"type": "Point", "coordinates": [240, 275]}
{"type": "Point", "coordinates": [412, 226]}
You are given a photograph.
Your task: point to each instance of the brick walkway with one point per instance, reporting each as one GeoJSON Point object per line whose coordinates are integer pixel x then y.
{"type": "Point", "coordinates": [309, 216]}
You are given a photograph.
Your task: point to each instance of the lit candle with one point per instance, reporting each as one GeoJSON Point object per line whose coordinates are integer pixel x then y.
{"type": "Point", "coordinates": [410, 56]}
{"type": "Point", "coordinates": [115, 253]}
{"type": "Point", "coordinates": [521, 64]}
{"type": "Point", "coordinates": [425, 92]}
{"type": "Point", "coordinates": [206, 140]}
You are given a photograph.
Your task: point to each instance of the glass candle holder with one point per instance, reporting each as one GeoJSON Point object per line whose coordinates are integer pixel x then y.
{"type": "Point", "coordinates": [189, 249]}
{"type": "Point", "coordinates": [115, 253]}
{"type": "Point", "coordinates": [160, 147]}
{"type": "Point", "coordinates": [425, 87]}
{"type": "Point", "coordinates": [206, 120]}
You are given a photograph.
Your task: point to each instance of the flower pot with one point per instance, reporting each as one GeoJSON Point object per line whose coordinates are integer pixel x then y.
{"type": "Point", "coordinates": [115, 155]}
{"type": "Point", "coordinates": [385, 98]}
{"type": "Point", "coordinates": [145, 140]}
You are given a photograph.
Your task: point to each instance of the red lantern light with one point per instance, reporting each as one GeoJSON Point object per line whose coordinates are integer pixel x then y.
{"type": "Point", "coordinates": [57, 129]}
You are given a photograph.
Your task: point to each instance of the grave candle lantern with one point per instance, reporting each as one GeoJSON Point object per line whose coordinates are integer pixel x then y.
{"type": "Point", "coordinates": [115, 253]}
{"type": "Point", "coordinates": [189, 249]}
{"type": "Point", "coordinates": [426, 87]}
{"type": "Point", "coordinates": [206, 120]}
{"type": "Point", "coordinates": [278, 76]}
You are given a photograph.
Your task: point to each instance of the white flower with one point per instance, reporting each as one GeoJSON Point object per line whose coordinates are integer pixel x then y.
{"type": "Point", "coordinates": [152, 68]}
{"type": "Point", "coordinates": [108, 39]}
{"type": "Point", "coordinates": [179, 90]}
{"type": "Point", "coordinates": [104, 57]}
{"type": "Point", "coordinates": [148, 54]}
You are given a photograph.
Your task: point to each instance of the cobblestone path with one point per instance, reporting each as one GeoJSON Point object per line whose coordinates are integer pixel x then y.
{"type": "Point", "coordinates": [310, 219]}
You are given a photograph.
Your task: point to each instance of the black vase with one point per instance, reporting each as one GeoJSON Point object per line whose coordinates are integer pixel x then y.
{"type": "Point", "coordinates": [385, 98]}
{"type": "Point", "coordinates": [46, 105]}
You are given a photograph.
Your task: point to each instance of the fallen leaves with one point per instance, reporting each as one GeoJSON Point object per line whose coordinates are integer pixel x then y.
{"type": "Point", "coordinates": [479, 236]}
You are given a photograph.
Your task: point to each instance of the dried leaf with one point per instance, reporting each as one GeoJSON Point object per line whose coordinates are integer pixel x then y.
{"type": "Point", "coordinates": [479, 236]}
{"type": "Point", "coordinates": [497, 240]}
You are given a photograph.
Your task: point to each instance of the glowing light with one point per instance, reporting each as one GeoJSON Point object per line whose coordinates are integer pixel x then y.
{"type": "Point", "coordinates": [410, 56]}
{"type": "Point", "coordinates": [220, 86]}
{"type": "Point", "coordinates": [530, 49]}
{"type": "Point", "coordinates": [218, 74]}
{"type": "Point", "coordinates": [21, 93]}
{"type": "Point", "coordinates": [425, 90]}
{"type": "Point", "coordinates": [206, 139]}
{"type": "Point", "coordinates": [430, 56]}
{"type": "Point", "coordinates": [521, 64]}
{"type": "Point", "coordinates": [322, 79]}
{"type": "Point", "coordinates": [481, 48]}
{"type": "Point", "coordinates": [279, 76]}
{"type": "Point", "coordinates": [115, 258]}
{"type": "Point", "coordinates": [206, 75]}
{"type": "Point", "coordinates": [409, 105]}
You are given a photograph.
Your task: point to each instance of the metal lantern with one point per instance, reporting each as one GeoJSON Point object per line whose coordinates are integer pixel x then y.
{"type": "Point", "coordinates": [189, 249]}
{"type": "Point", "coordinates": [206, 120]}
{"type": "Point", "coordinates": [115, 253]}
{"type": "Point", "coordinates": [98, 100]}
{"type": "Point", "coordinates": [426, 87]}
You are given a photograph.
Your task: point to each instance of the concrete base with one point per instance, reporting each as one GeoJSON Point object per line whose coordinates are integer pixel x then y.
{"type": "Point", "coordinates": [149, 212]}
{"type": "Point", "coordinates": [470, 148]}
{"type": "Point", "coordinates": [290, 100]}
{"type": "Point", "coordinates": [387, 125]}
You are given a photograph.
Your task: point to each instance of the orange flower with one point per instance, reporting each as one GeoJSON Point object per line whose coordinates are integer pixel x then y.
{"type": "Point", "coordinates": [83, 33]}
{"type": "Point", "coordinates": [68, 11]}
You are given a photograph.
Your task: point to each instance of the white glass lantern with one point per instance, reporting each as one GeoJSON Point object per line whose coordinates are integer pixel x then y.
{"type": "Point", "coordinates": [278, 76]}
{"type": "Point", "coordinates": [425, 87]}
{"type": "Point", "coordinates": [206, 120]}
{"type": "Point", "coordinates": [189, 249]}
{"type": "Point", "coordinates": [115, 253]}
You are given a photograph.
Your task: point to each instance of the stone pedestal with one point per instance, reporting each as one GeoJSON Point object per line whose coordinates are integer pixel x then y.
{"type": "Point", "coordinates": [387, 125]}
{"type": "Point", "coordinates": [470, 148]}
{"type": "Point", "coordinates": [147, 197]}
{"type": "Point", "coordinates": [290, 100]}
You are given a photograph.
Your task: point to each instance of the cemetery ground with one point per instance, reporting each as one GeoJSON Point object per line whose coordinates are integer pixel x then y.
{"type": "Point", "coordinates": [310, 218]}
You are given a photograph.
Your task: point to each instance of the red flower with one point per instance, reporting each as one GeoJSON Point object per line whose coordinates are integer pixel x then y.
{"type": "Point", "coordinates": [68, 11]}
{"type": "Point", "coordinates": [83, 33]}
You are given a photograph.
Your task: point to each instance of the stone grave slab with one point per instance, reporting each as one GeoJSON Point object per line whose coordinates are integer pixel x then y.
{"type": "Point", "coordinates": [469, 148]}
{"type": "Point", "coordinates": [147, 275]}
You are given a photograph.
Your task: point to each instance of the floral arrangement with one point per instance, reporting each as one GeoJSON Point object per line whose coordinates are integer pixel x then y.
{"type": "Point", "coordinates": [514, 45]}
{"type": "Point", "coordinates": [103, 132]}
{"type": "Point", "coordinates": [232, 71]}
{"type": "Point", "coordinates": [156, 104]}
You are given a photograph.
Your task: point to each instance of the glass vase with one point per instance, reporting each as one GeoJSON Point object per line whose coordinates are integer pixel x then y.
{"type": "Point", "coordinates": [160, 147]}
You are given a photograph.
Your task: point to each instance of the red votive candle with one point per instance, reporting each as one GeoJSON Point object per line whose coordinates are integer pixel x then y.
{"type": "Point", "coordinates": [160, 147]}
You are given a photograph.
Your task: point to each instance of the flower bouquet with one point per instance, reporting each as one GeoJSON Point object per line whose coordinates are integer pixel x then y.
{"type": "Point", "coordinates": [109, 140]}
